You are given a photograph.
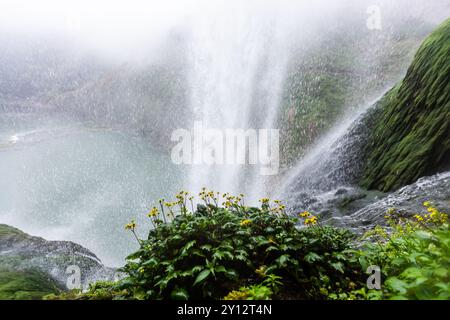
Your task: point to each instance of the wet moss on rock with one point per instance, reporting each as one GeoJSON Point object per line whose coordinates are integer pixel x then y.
{"type": "Point", "coordinates": [26, 285]}
{"type": "Point", "coordinates": [412, 135]}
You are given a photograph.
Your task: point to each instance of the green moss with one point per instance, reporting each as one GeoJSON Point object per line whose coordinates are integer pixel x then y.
{"type": "Point", "coordinates": [412, 134]}
{"type": "Point", "coordinates": [25, 285]}
{"type": "Point", "coordinates": [6, 230]}
{"type": "Point", "coordinates": [338, 74]}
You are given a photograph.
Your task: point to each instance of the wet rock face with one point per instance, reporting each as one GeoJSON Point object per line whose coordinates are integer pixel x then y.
{"type": "Point", "coordinates": [408, 200]}
{"type": "Point", "coordinates": [343, 162]}
{"type": "Point", "coordinates": [57, 259]}
{"type": "Point", "coordinates": [412, 135]}
{"type": "Point", "coordinates": [333, 205]}
{"type": "Point", "coordinates": [361, 210]}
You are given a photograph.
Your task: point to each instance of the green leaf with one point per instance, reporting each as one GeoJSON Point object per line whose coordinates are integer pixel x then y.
{"type": "Point", "coordinates": [338, 266]}
{"type": "Point", "coordinates": [220, 269]}
{"type": "Point", "coordinates": [396, 284]}
{"type": "Point", "coordinates": [152, 262]}
{"type": "Point", "coordinates": [411, 273]}
{"type": "Point", "coordinates": [312, 257]}
{"type": "Point", "coordinates": [232, 274]}
{"type": "Point", "coordinates": [282, 260]}
{"type": "Point", "coordinates": [363, 262]}
{"type": "Point", "coordinates": [179, 294]}
{"type": "Point", "coordinates": [441, 272]}
{"type": "Point", "coordinates": [424, 235]}
{"type": "Point", "coordinates": [197, 269]}
{"type": "Point", "coordinates": [271, 248]}
{"type": "Point", "coordinates": [206, 247]}
{"type": "Point", "coordinates": [202, 276]}
{"type": "Point", "coordinates": [188, 246]}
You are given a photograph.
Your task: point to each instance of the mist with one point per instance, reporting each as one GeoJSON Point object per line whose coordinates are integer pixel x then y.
{"type": "Point", "coordinates": [91, 91]}
{"type": "Point", "coordinates": [131, 31]}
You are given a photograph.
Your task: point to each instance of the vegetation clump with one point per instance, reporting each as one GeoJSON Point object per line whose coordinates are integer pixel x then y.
{"type": "Point", "coordinates": [26, 285]}
{"type": "Point", "coordinates": [234, 252]}
{"type": "Point", "coordinates": [218, 249]}
{"type": "Point", "coordinates": [413, 255]}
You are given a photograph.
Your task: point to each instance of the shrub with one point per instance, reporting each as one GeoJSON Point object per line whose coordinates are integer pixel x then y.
{"type": "Point", "coordinates": [235, 252]}
{"type": "Point", "coordinates": [215, 250]}
{"type": "Point", "coordinates": [413, 254]}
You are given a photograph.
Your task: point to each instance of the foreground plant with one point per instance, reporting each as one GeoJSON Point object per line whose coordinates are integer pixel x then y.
{"type": "Point", "coordinates": [413, 254]}
{"type": "Point", "coordinates": [224, 247]}
{"type": "Point", "coordinates": [235, 252]}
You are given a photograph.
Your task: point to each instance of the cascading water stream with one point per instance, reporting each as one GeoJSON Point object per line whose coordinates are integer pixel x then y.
{"type": "Point", "coordinates": [339, 149]}
{"type": "Point", "coordinates": [237, 67]}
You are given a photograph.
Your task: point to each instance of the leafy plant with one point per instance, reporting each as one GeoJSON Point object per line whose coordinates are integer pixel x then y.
{"type": "Point", "coordinates": [414, 255]}
{"type": "Point", "coordinates": [234, 252]}
{"type": "Point", "coordinates": [216, 249]}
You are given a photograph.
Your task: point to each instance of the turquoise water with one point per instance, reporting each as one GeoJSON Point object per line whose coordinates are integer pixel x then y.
{"type": "Point", "coordinates": [66, 180]}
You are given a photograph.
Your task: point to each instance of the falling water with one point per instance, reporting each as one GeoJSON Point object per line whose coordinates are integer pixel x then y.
{"type": "Point", "coordinates": [237, 64]}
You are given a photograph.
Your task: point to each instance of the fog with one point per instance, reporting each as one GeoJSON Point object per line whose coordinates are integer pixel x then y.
{"type": "Point", "coordinates": [131, 30]}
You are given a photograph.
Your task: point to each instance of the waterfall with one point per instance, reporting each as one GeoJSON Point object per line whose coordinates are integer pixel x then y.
{"type": "Point", "coordinates": [336, 159]}
{"type": "Point", "coordinates": [237, 61]}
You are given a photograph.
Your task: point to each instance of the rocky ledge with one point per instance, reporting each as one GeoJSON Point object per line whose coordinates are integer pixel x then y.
{"type": "Point", "coordinates": [31, 267]}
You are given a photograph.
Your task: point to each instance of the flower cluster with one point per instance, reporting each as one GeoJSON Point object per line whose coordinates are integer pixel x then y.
{"type": "Point", "coordinates": [168, 211]}
{"type": "Point", "coordinates": [309, 219]}
{"type": "Point", "coordinates": [433, 216]}
{"type": "Point", "coordinates": [278, 208]}
{"type": "Point", "coordinates": [153, 213]}
{"type": "Point", "coordinates": [131, 226]}
{"type": "Point", "coordinates": [304, 214]}
{"type": "Point", "coordinates": [230, 201]}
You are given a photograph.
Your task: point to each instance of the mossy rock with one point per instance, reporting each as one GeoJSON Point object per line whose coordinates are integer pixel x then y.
{"type": "Point", "coordinates": [411, 138]}
{"type": "Point", "coordinates": [8, 231]}
{"type": "Point", "coordinates": [26, 285]}
{"type": "Point", "coordinates": [20, 252]}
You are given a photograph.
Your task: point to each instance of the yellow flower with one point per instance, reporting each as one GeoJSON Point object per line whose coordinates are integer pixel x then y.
{"type": "Point", "coordinates": [245, 222]}
{"type": "Point", "coordinates": [427, 203]}
{"type": "Point", "coordinates": [304, 214]}
{"type": "Point", "coordinates": [131, 225]}
{"type": "Point", "coordinates": [153, 213]}
{"type": "Point", "coordinates": [311, 221]}
{"type": "Point", "coordinates": [227, 204]}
